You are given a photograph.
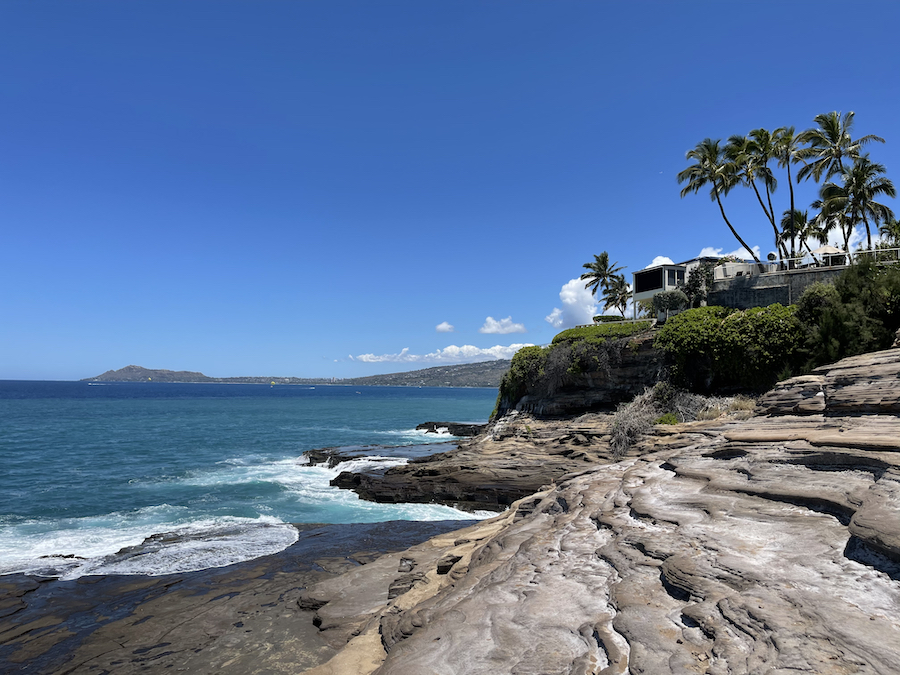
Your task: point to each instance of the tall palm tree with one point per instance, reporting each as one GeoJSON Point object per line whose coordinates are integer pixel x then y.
{"type": "Point", "coordinates": [766, 149]}
{"type": "Point", "coordinates": [711, 169]}
{"type": "Point", "coordinates": [854, 199]}
{"type": "Point", "coordinates": [750, 156]}
{"type": "Point", "coordinates": [601, 273]}
{"type": "Point", "coordinates": [829, 144]}
{"type": "Point", "coordinates": [617, 294]}
{"type": "Point", "coordinates": [787, 151]}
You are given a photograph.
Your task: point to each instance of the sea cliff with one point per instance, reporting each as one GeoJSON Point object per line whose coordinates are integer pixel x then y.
{"type": "Point", "coordinates": [765, 545]}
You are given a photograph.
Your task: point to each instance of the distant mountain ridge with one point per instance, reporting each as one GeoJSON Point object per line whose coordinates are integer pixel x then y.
{"type": "Point", "coordinates": [484, 374]}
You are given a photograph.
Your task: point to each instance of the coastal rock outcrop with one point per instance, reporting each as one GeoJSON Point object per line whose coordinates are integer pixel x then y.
{"type": "Point", "coordinates": [768, 545]}
{"type": "Point", "coordinates": [628, 366]}
{"type": "Point", "coordinates": [453, 428]}
{"type": "Point", "coordinates": [519, 456]}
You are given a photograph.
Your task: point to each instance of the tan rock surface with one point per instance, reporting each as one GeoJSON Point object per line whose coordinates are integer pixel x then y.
{"type": "Point", "coordinates": [761, 546]}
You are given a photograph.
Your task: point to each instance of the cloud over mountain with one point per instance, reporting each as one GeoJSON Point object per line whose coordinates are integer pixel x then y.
{"type": "Point", "coordinates": [451, 354]}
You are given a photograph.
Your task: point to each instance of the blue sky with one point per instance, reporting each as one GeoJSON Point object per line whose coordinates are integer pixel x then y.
{"type": "Point", "coordinates": [311, 188]}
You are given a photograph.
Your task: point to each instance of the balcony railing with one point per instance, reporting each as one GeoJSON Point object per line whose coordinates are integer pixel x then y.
{"type": "Point", "coordinates": [807, 262]}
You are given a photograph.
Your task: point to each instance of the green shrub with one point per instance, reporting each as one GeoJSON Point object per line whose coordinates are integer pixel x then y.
{"type": "Point", "coordinates": [859, 313]}
{"type": "Point", "coordinates": [715, 347]}
{"type": "Point", "coordinates": [668, 418]}
{"type": "Point", "coordinates": [602, 332]}
{"type": "Point", "coordinates": [525, 369]}
{"type": "Point", "coordinates": [607, 318]}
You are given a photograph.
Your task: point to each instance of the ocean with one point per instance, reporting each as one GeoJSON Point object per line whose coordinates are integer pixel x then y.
{"type": "Point", "coordinates": [142, 478]}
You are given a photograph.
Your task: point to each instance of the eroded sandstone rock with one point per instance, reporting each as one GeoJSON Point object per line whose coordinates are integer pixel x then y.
{"type": "Point", "coordinates": [769, 545]}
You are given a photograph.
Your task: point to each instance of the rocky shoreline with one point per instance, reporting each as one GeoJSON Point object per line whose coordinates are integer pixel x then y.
{"type": "Point", "coordinates": [767, 545]}
{"type": "Point", "coordinates": [762, 545]}
{"type": "Point", "coordinates": [244, 618]}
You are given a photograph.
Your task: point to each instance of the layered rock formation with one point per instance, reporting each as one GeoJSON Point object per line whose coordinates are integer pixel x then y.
{"type": "Point", "coordinates": [770, 545]}
{"type": "Point", "coordinates": [517, 457]}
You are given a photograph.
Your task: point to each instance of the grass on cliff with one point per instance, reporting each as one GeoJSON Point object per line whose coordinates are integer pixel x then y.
{"type": "Point", "coordinates": [602, 332]}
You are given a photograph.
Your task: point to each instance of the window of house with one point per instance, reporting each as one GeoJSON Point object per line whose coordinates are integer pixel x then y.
{"type": "Point", "coordinates": [648, 281]}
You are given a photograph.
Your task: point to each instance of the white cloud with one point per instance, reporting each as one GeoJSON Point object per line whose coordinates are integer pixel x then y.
{"type": "Point", "coordinates": [578, 306]}
{"type": "Point", "coordinates": [660, 260]}
{"type": "Point", "coordinates": [444, 327]}
{"type": "Point", "coordinates": [451, 354]}
{"type": "Point", "coordinates": [711, 252]}
{"type": "Point", "coordinates": [501, 327]}
{"type": "Point", "coordinates": [857, 237]}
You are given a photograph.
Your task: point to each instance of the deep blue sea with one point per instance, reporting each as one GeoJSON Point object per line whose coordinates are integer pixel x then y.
{"type": "Point", "coordinates": [215, 470]}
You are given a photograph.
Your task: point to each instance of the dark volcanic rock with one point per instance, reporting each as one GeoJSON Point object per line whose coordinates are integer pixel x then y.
{"type": "Point", "coordinates": [453, 428]}
{"type": "Point", "coordinates": [518, 455]}
{"type": "Point", "coordinates": [251, 617]}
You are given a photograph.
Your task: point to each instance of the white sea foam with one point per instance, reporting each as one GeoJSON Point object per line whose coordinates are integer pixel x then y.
{"type": "Point", "coordinates": [201, 545]}
{"type": "Point", "coordinates": [100, 545]}
{"type": "Point", "coordinates": [74, 547]}
{"type": "Point", "coordinates": [418, 434]}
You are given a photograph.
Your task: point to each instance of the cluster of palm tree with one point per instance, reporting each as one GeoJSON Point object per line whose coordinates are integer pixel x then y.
{"type": "Point", "coordinates": [826, 152]}
{"type": "Point", "coordinates": [605, 276]}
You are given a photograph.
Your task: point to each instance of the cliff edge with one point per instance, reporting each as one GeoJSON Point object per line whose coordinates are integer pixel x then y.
{"type": "Point", "coordinates": [767, 545]}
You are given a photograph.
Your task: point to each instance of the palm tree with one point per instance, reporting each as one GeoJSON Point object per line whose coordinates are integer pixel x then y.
{"type": "Point", "coordinates": [765, 148]}
{"type": "Point", "coordinates": [617, 294]}
{"type": "Point", "coordinates": [711, 169]}
{"type": "Point", "coordinates": [864, 183]}
{"type": "Point", "coordinates": [829, 144]}
{"type": "Point", "coordinates": [787, 151]}
{"type": "Point", "coordinates": [793, 223]}
{"type": "Point", "coordinates": [750, 156]}
{"type": "Point", "coordinates": [832, 214]}
{"type": "Point", "coordinates": [890, 231]}
{"type": "Point", "coordinates": [855, 199]}
{"type": "Point", "coordinates": [601, 273]}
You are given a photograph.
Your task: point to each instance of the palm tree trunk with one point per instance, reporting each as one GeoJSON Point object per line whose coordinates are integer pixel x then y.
{"type": "Point", "coordinates": [734, 232]}
{"type": "Point", "coordinates": [770, 216]}
{"type": "Point", "coordinates": [868, 231]}
{"type": "Point", "coordinates": [791, 186]}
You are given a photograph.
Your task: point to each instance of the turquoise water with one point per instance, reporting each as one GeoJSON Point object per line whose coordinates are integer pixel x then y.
{"type": "Point", "coordinates": [88, 470]}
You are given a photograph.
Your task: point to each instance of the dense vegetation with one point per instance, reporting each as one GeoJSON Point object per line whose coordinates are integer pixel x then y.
{"type": "Point", "coordinates": [526, 367]}
{"type": "Point", "coordinates": [859, 313]}
{"type": "Point", "coordinates": [715, 348]}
